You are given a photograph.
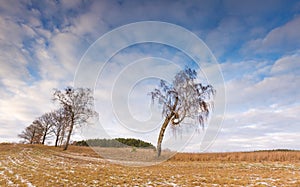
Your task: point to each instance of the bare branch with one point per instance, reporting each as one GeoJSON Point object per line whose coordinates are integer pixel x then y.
{"type": "Point", "coordinates": [183, 100]}
{"type": "Point", "coordinates": [78, 106]}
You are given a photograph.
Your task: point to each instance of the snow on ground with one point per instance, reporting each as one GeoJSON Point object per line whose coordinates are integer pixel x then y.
{"type": "Point", "coordinates": [40, 167]}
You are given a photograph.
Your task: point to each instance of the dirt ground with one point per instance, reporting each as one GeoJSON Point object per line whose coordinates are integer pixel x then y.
{"type": "Point", "coordinates": [36, 165]}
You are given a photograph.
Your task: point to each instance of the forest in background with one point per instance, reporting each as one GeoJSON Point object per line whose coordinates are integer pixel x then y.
{"type": "Point", "coordinates": [117, 142]}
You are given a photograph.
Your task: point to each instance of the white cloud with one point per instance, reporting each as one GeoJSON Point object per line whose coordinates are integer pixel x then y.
{"type": "Point", "coordinates": [254, 84]}
{"type": "Point", "coordinates": [287, 65]}
{"type": "Point", "coordinates": [24, 105]}
{"type": "Point", "coordinates": [29, 69]}
{"type": "Point", "coordinates": [282, 39]}
{"type": "Point", "coordinates": [267, 128]}
{"type": "Point", "coordinates": [261, 112]}
{"type": "Point", "coordinates": [65, 48]}
{"type": "Point", "coordinates": [250, 69]}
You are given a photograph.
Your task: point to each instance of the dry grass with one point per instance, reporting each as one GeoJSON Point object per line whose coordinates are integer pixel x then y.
{"type": "Point", "coordinates": [25, 165]}
{"type": "Point", "coordinates": [261, 156]}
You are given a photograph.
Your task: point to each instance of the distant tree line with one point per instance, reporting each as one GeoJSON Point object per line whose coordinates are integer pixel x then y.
{"type": "Point", "coordinates": [76, 108]}
{"type": "Point", "coordinates": [275, 150]}
{"type": "Point", "coordinates": [117, 142]}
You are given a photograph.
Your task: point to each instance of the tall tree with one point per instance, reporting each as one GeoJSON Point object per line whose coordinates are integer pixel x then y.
{"type": "Point", "coordinates": [33, 133]}
{"type": "Point", "coordinates": [78, 105]}
{"type": "Point", "coordinates": [183, 99]}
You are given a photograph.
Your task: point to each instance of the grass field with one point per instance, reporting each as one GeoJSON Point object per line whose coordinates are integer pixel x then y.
{"type": "Point", "coordinates": [36, 165]}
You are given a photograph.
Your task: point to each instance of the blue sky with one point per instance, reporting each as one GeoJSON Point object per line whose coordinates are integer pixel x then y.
{"type": "Point", "coordinates": [257, 44]}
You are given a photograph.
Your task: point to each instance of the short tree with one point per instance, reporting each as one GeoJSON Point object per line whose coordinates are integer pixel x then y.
{"type": "Point", "coordinates": [78, 105]}
{"type": "Point", "coordinates": [183, 99]}
{"type": "Point", "coordinates": [47, 122]}
{"type": "Point", "coordinates": [33, 133]}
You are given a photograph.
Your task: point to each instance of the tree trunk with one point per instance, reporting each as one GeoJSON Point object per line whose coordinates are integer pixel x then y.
{"type": "Point", "coordinates": [44, 138]}
{"type": "Point", "coordinates": [70, 133]}
{"type": "Point", "coordinates": [161, 134]}
{"type": "Point", "coordinates": [32, 137]}
{"type": "Point", "coordinates": [62, 135]}
{"type": "Point", "coordinates": [57, 134]}
{"type": "Point", "coordinates": [164, 126]}
{"type": "Point", "coordinates": [31, 140]}
{"type": "Point", "coordinates": [56, 140]}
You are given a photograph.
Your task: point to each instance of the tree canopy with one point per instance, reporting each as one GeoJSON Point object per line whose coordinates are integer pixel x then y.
{"type": "Point", "coordinates": [78, 104]}
{"type": "Point", "coordinates": [182, 100]}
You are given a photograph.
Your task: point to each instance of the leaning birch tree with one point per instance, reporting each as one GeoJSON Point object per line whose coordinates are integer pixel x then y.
{"type": "Point", "coordinates": [183, 99]}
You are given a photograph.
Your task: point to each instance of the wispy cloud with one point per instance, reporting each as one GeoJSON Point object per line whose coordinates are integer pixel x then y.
{"type": "Point", "coordinates": [280, 40]}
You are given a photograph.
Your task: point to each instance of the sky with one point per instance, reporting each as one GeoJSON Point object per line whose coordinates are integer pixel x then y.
{"type": "Point", "coordinates": [256, 45]}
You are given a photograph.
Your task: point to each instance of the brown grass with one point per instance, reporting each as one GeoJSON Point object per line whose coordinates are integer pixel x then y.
{"type": "Point", "coordinates": [23, 165]}
{"type": "Point", "coordinates": [261, 156]}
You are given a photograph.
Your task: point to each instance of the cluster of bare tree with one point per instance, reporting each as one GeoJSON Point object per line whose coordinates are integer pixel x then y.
{"type": "Point", "coordinates": [76, 108]}
{"type": "Point", "coordinates": [184, 99]}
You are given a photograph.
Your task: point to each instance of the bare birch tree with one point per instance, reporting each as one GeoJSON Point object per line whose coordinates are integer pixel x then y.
{"type": "Point", "coordinates": [183, 99]}
{"type": "Point", "coordinates": [47, 122]}
{"type": "Point", "coordinates": [60, 123]}
{"type": "Point", "coordinates": [78, 105]}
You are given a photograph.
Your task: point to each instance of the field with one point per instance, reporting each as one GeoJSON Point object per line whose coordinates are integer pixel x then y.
{"type": "Point", "coordinates": [36, 165]}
